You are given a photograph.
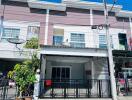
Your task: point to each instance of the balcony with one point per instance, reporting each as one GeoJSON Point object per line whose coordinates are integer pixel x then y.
{"type": "Point", "coordinates": [16, 55]}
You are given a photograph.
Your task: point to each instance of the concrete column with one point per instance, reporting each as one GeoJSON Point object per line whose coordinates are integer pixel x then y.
{"type": "Point", "coordinates": [91, 23]}
{"type": "Point", "coordinates": [130, 22]}
{"type": "Point", "coordinates": [43, 66]}
{"type": "Point", "coordinates": [130, 38]}
{"type": "Point", "coordinates": [46, 27]}
{"type": "Point", "coordinates": [42, 72]}
{"type": "Point", "coordinates": [1, 29]}
{"type": "Point", "coordinates": [93, 69]}
{"type": "Point", "coordinates": [91, 16]}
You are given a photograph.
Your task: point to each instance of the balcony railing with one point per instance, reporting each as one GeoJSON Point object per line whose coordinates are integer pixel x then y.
{"type": "Point", "coordinates": [75, 88]}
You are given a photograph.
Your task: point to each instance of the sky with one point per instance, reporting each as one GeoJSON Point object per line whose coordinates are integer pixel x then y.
{"type": "Point", "coordinates": [127, 4]}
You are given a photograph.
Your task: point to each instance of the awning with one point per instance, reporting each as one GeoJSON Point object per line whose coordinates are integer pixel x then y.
{"type": "Point", "coordinates": [73, 51]}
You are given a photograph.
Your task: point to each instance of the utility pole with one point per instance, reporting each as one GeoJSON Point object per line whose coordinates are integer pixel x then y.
{"type": "Point", "coordinates": [110, 57]}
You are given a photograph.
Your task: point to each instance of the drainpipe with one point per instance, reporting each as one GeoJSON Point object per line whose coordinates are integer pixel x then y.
{"type": "Point", "coordinates": [46, 27]}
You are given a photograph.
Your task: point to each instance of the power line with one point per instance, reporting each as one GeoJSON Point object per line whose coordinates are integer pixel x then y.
{"type": "Point", "coordinates": [113, 5]}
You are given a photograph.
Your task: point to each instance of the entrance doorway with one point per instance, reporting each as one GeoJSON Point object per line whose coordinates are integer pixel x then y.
{"type": "Point", "coordinates": [60, 76]}
{"type": "Point", "coordinates": [60, 73]}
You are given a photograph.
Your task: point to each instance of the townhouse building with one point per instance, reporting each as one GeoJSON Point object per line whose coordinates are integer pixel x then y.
{"type": "Point", "coordinates": [72, 37]}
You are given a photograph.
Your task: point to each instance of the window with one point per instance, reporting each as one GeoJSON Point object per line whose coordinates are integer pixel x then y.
{"type": "Point", "coordinates": [122, 41]}
{"type": "Point", "coordinates": [102, 41]}
{"type": "Point", "coordinates": [33, 31]}
{"type": "Point", "coordinates": [10, 33]}
{"type": "Point", "coordinates": [57, 40]}
{"type": "Point", "coordinates": [77, 40]}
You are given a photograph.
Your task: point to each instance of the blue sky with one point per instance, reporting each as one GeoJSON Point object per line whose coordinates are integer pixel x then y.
{"type": "Point", "coordinates": [127, 4]}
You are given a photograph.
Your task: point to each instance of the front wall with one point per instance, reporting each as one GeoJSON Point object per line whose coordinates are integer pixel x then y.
{"type": "Point", "coordinates": [97, 66]}
{"type": "Point", "coordinates": [23, 26]}
{"type": "Point", "coordinates": [72, 16]}
{"type": "Point", "coordinates": [101, 68]}
{"type": "Point", "coordinates": [98, 18]}
{"type": "Point", "coordinates": [79, 18]}
{"type": "Point", "coordinates": [76, 69]}
{"type": "Point", "coordinates": [25, 14]}
{"type": "Point", "coordinates": [91, 36]}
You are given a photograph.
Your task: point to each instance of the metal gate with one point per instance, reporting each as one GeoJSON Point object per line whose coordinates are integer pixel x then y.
{"type": "Point", "coordinates": [124, 87]}
{"type": "Point", "coordinates": [7, 92]}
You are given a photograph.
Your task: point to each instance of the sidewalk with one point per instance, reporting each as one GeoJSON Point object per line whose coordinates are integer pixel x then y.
{"type": "Point", "coordinates": [81, 99]}
{"type": "Point", "coordinates": [119, 98]}
{"type": "Point", "coordinates": [125, 98]}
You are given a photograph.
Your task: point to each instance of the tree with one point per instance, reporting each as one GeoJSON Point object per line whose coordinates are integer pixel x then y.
{"type": "Point", "coordinates": [33, 63]}
{"type": "Point", "coordinates": [23, 76]}
{"type": "Point", "coordinates": [32, 43]}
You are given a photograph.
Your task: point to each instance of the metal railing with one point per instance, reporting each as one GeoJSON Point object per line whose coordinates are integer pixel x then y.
{"type": "Point", "coordinates": [75, 88]}
{"type": "Point", "coordinates": [124, 86]}
{"type": "Point", "coordinates": [7, 92]}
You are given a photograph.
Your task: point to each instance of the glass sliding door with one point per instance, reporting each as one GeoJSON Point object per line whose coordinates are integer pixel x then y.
{"type": "Point", "coordinates": [60, 76]}
{"type": "Point", "coordinates": [60, 73]}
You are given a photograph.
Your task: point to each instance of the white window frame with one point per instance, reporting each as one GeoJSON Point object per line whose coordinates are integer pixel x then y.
{"type": "Point", "coordinates": [62, 67]}
{"type": "Point", "coordinates": [105, 43]}
{"type": "Point", "coordinates": [29, 36]}
{"type": "Point", "coordinates": [78, 41]}
{"type": "Point", "coordinates": [2, 37]}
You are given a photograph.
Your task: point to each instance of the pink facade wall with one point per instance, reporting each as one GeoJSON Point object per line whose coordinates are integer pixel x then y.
{"type": "Point", "coordinates": [114, 23]}
{"type": "Point", "coordinates": [82, 17]}
{"type": "Point", "coordinates": [71, 16]}
{"type": "Point", "coordinates": [24, 14]}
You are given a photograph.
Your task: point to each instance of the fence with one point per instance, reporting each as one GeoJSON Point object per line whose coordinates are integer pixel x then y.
{"type": "Point", "coordinates": [74, 88]}
{"type": "Point", "coordinates": [7, 92]}
{"type": "Point", "coordinates": [124, 87]}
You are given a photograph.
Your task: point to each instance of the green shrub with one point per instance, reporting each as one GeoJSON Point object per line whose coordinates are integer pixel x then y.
{"type": "Point", "coordinates": [23, 76]}
{"type": "Point", "coordinates": [32, 43]}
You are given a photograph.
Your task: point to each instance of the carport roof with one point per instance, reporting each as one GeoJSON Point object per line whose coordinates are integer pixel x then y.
{"type": "Point", "coordinates": [122, 53]}
{"type": "Point", "coordinates": [73, 51]}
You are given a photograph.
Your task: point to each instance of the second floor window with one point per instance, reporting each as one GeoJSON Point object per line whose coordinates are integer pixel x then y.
{"type": "Point", "coordinates": [57, 40]}
{"type": "Point", "coordinates": [102, 41]}
{"type": "Point", "coordinates": [77, 40]}
{"type": "Point", "coordinates": [10, 33]}
{"type": "Point", "coordinates": [33, 31]}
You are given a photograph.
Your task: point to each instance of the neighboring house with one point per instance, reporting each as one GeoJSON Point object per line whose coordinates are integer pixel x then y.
{"type": "Point", "coordinates": [74, 59]}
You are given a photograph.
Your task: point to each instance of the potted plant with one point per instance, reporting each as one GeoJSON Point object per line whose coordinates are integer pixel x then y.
{"type": "Point", "coordinates": [23, 75]}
